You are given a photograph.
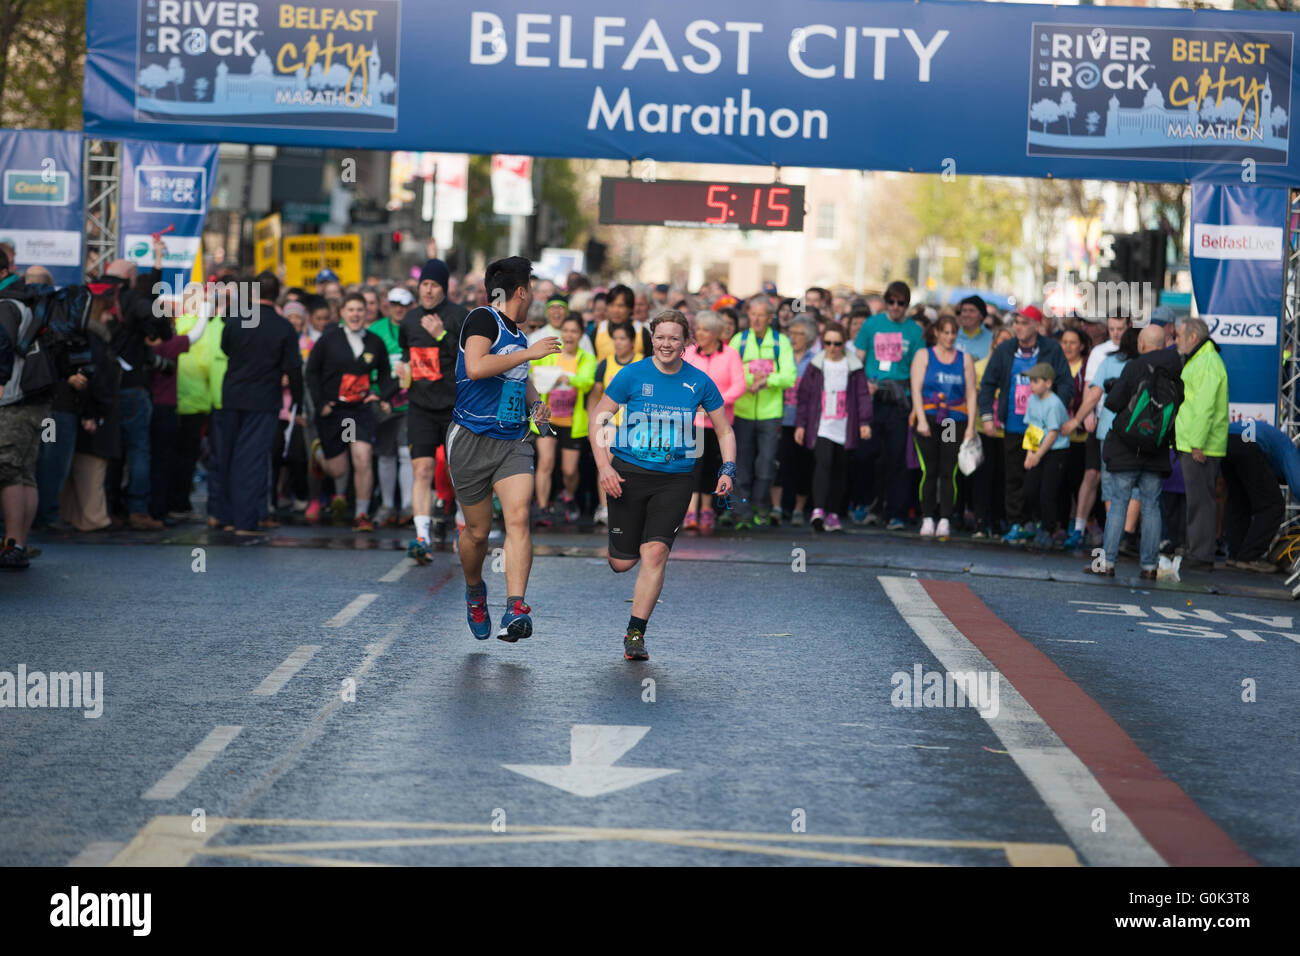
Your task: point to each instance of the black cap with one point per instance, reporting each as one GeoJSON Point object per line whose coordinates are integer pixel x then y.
{"type": "Point", "coordinates": [977, 302]}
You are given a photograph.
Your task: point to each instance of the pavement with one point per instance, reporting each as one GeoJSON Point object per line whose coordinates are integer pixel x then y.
{"type": "Point", "coordinates": [313, 698]}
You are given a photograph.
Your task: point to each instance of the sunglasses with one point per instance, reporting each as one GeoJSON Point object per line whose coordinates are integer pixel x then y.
{"type": "Point", "coordinates": [895, 302]}
{"type": "Point", "coordinates": [834, 342]}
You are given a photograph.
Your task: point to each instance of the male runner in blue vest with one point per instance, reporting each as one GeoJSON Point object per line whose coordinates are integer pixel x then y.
{"type": "Point", "coordinates": [488, 448]}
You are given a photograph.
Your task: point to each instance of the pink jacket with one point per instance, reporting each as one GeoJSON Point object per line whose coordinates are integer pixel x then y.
{"type": "Point", "coordinates": [728, 373]}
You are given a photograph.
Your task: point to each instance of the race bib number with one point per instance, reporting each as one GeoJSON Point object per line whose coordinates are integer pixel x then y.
{"type": "Point", "coordinates": [653, 442]}
{"type": "Point", "coordinates": [1033, 438]}
{"type": "Point", "coordinates": [354, 388]}
{"type": "Point", "coordinates": [1022, 394]}
{"type": "Point", "coordinates": [833, 405]}
{"type": "Point", "coordinates": [762, 367]}
{"type": "Point", "coordinates": [562, 400]}
{"type": "Point", "coordinates": [510, 410]}
{"type": "Point", "coordinates": [425, 364]}
{"type": "Point", "coordinates": [889, 347]}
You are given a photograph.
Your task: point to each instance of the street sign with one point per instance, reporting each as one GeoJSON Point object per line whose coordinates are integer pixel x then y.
{"type": "Point", "coordinates": [304, 256]}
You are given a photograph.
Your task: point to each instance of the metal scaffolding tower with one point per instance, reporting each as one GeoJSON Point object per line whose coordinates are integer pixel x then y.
{"type": "Point", "coordinates": [102, 174]}
{"type": "Point", "coordinates": [1289, 395]}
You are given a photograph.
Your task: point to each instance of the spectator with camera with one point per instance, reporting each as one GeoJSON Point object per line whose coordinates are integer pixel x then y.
{"type": "Point", "coordinates": [130, 322]}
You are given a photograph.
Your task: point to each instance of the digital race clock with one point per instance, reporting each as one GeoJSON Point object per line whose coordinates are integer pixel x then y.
{"type": "Point", "coordinates": [701, 205]}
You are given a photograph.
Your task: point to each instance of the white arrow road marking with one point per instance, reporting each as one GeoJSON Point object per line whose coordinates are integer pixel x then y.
{"type": "Point", "coordinates": [590, 772]}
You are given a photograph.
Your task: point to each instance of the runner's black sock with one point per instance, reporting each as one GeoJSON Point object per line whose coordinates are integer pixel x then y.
{"type": "Point", "coordinates": [636, 623]}
{"type": "Point", "coordinates": [476, 590]}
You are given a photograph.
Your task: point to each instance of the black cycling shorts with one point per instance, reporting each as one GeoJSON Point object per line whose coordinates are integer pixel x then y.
{"type": "Point", "coordinates": [651, 508]}
{"type": "Point", "coordinates": [331, 428]}
{"type": "Point", "coordinates": [425, 431]}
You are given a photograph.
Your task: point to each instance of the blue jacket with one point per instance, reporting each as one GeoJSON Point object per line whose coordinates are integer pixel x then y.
{"type": "Point", "coordinates": [997, 375]}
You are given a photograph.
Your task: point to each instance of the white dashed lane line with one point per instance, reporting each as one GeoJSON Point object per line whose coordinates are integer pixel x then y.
{"type": "Point", "coordinates": [179, 777]}
{"type": "Point", "coordinates": [282, 674]}
{"type": "Point", "coordinates": [402, 567]}
{"type": "Point", "coordinates": [359, 604]}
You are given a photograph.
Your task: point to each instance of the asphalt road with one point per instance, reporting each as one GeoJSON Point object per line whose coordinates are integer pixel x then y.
{"type": "Point", "coordinates": [311, 698]}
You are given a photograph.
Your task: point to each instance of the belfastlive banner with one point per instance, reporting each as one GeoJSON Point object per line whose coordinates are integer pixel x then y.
{"type": "Point", "coordinates": [42, 208]}
{"type": "Point", "coordinates": [1077, 92]}
{"type": "Point", "coordinates": [1236, 261]}
{"type": "Point", "coordinates": [166, 185]}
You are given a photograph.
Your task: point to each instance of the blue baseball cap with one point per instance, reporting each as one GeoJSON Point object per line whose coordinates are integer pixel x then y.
{"type": "Point", "coordinates": [326, 275]}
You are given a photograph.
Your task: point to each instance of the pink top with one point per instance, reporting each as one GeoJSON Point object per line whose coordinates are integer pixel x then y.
{"type": "Point", "coordinates": [164, 386]}
{"type": "Point", "coordinates": [728, 373]}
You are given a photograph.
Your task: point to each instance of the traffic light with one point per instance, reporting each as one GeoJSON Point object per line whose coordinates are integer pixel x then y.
{"type": "Point", "coordinates": [397, 240]}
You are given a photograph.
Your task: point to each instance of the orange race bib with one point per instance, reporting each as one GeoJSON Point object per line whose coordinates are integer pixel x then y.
{"type": "Point", "coordinates": [354, 388]}
{"type": "Point", "coordinates": [426, 364]}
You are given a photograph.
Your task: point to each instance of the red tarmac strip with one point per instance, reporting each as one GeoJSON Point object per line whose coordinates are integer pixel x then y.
{"type": "Point", "coordinates": [1171, 822]}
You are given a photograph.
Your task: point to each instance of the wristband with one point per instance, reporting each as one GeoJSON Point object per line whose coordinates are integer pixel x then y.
{"type": "Point", "coordinates": [728, 469]}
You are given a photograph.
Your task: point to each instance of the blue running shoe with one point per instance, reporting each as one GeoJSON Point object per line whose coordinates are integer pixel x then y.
{"type": "Point", "coordinates": [515, 623]}
{"type": "Point", "coordinates": [1073, 540]}
{"type": "Point", "coordinates": [476, 611]}
{"type": "Point", "coordinates": [1015, 534]}
{"type": "Point", "coordinates": [418, 551]}
{"type": "Point", "coordinates": [896, 524]}
{"type": "Point", "coordinates": [1043, 541]}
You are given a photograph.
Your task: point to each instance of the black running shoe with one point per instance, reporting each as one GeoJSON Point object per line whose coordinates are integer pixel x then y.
{"type": "Point", "coordinates": [634, 646]}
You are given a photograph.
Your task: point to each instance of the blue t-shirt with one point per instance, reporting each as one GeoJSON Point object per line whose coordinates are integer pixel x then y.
{"type": "Point", "coordinates": [1048, 413]}
{"type": "Point", "coordinates": [1112, 366]}
{"type": "Point", "coordinates": [657, 428]}
{"type": "Point", "coordinates": [976, 346]}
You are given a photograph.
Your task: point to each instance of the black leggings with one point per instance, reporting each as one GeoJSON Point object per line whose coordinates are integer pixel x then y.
{"type": "Point", "coordinates": [794, 473]}
{"type": "Point", "coordinates": [938, 467]}
{"type": "Point", "coordinates": [1042, 485]}
{"type": "Point", "coordinates": [829, 474]}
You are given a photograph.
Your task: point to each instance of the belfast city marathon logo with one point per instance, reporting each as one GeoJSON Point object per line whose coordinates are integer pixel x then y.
{"type": "Point", "coordinates": [1159, 93]}
{"type": "Point", "coordinates": [264, 63]}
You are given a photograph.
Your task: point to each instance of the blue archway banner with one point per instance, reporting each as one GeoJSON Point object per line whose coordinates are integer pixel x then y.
{"type": "Point", "coordinates": [975, 88]}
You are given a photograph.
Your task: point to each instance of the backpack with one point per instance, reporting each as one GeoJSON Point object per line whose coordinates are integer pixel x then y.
{"type": "Point", "coordinates": [1147, 423]}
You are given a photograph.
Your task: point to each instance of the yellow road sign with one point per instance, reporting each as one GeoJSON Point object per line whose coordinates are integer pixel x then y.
{"type": "Point", "coordinates": [304, 256]}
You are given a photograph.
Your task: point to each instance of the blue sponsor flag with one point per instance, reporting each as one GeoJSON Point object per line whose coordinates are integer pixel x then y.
{"type": "Point", "coordinates": [166, 187]}
{"type": "Point", "coordinates": [42, 207]}
{"type": "Point", "coordinates": [1236, 261]}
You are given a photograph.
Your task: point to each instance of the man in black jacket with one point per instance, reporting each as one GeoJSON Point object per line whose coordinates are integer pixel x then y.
{"type": "Point", "coordinates": [339, 370]}
{"type": "Point", "coordinates": [1007, 377]}
{"type": "Point", "coordinates": [429, 337]}
{"type": "Point", "coordinates": [261, 348]}
{"type": "Point", "coordinates": [1129, 466]}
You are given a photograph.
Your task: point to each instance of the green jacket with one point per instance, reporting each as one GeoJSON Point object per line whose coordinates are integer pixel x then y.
{"type": "Point", "coordinates": [583, 379]}
{"type": "Point", "coordinates": [768, 402]}
{"type": "Point", "coordinates": [387, 333]}
{"type": "Point", "coordinates": [1202, 420]}
{"type": "Point", "coordinates": [217, 359]}
{"type": "Point", "coordinates": [192, 367]}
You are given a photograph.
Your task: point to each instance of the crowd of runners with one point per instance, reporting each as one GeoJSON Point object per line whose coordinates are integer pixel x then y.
{"type": "Point", "coordinates": [449, 403]}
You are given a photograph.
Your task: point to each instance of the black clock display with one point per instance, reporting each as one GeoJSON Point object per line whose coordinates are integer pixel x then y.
{"type": "Point", "coordinates": [702, 205]}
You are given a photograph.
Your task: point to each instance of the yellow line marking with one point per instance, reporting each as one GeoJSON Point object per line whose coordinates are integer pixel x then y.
{"type": "Point", "coordinates": [166, 841]}
{"type": "Point", "coordinates": [170, 841]}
